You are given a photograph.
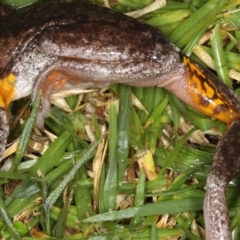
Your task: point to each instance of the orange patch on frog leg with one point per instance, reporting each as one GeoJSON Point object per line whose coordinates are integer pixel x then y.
{"type": "Point", "coordinates": [206, 96]}
{"type": "Point", "coordinates": [210, 91]}
{"type": "Point", "coordinates": [7, 90]}
{"type": "Point", "coordinates": [55, 80]}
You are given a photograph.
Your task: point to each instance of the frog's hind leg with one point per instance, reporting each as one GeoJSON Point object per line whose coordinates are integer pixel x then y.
{"type": "Point", "coordinates": [226, 166]}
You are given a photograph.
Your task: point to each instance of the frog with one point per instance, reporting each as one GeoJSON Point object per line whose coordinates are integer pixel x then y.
{"type": "Point", "coordinates": [49, 46]}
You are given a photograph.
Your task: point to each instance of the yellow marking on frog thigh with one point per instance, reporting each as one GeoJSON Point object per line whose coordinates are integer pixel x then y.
{"type": "Point", "coordinates": [7, 90]}
{"type": "Point", "coordinates": [206, 96]}
{"type": "Point", "coordinates": [210, 91]}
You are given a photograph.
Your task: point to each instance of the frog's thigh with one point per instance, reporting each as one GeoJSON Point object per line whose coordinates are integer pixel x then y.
{"type": "Point", "coordinates": [88, 41]}
{"type": "Point", "coordinates": [95, 41]}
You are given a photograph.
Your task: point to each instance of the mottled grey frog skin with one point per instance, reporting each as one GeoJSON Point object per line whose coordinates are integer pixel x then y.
{"type": "Point", "coordinates": [52, 43]}
{"type": "Point", "coordinates": [225, 167]}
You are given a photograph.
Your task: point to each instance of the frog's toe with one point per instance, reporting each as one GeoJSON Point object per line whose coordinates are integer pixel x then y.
{"type": "Point", "coordinates": [226, 166]}
{"type": "Point", "coordinates": [4, 130]}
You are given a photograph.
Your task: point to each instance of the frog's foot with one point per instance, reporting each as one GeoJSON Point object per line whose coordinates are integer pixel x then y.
{"type": "Point", "coordinates": [4, 130]}
{"type": "Point", "coordinates": [226, 166]}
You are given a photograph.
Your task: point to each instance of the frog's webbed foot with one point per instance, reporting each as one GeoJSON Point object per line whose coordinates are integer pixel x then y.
{"type": "Point", "coordinates": [4, 130]}
{"type": "Point", "coordinates": [226, 166]}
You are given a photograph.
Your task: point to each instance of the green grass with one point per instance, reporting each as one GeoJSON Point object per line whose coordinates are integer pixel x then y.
{"type": "Point", "coordinates": [132, 162]}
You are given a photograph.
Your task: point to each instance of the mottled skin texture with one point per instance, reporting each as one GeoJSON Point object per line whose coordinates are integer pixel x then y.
{"type": "Point", "coordinates": [225, 167]}
{"type": "Point", "coordinates": [4, 130]}
{"type": "Point", "coordinates": [47, 45]}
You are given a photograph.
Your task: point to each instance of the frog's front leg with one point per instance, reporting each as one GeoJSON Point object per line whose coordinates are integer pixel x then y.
{"type": "Point", "coordinates": [225, 167]}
